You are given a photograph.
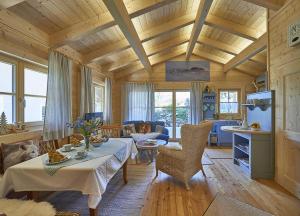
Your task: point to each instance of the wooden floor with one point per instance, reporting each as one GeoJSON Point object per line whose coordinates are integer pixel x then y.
{"type": "Point", "coordinates": [166, 196]}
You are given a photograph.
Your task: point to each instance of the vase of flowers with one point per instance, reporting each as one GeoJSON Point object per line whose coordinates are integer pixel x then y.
{"type": "Point", "coordinates": [86, 128]}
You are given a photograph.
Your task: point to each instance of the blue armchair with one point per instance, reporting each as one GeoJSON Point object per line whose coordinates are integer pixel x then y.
{"type": "Point", "coordinates": [163, 136]}
{"type": "Point", "coordinates": [223, 138]}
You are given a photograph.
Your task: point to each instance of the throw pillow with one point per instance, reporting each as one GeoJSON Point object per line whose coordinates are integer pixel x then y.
{"type": "Point", "coordinates": [159, 129]}
{"type": "Point", "coordinates": [144, 128]}
{"type": "Point", "coordinates": [15, 153]}
{"type": "Point", "coordinates": [128, 129]}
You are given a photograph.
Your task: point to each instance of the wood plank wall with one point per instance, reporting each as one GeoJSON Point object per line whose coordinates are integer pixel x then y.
{"type": "Point", "coordinates": [284, 79]}
{"type": "Point", "coordinates": [219, 80]}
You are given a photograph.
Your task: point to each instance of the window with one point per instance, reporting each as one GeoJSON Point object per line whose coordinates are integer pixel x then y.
{"type": "Point", "coordinates": [8, 91]}
{"type": "Point", "coordinates": [98, 98]}
{"type": "Point", "coordinates": [229, 101]}
{"type": "Point", "coordinates": [172, 107]}
{"type": "Point", "coordinates": [35, 90]}
{"type": "Point", "coordinates": [23, 88]}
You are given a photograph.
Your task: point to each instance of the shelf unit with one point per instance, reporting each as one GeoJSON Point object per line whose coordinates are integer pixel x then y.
{"type": "Point", "coordinates": [254, 154]}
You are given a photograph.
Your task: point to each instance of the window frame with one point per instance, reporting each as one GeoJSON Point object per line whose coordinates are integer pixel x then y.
{"type": "Point", "coordinates": [238, 100]}
{"type": "Point", "coordinates": [97, 85]}
{"type": "Point", "coordinates": [19, 86]}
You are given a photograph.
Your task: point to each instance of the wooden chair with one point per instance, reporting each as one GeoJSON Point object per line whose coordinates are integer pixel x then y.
{"type": "Point", "coordinates": [46, 146]}
{"type": "Point", "coordinates": [113, 131]}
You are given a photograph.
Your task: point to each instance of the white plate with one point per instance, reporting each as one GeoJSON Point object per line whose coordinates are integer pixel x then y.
{"type": "Point", "coordinates": [63, 149]}
{"type": "Point", "coordinates": [67, 157]}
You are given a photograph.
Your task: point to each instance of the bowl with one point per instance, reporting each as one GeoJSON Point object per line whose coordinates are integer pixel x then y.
{"type": "Point", "coordinates": [97, 144]}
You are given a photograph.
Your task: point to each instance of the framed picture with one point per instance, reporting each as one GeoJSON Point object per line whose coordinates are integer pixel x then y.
{"type": "Point", "coordinates": [179, 71]}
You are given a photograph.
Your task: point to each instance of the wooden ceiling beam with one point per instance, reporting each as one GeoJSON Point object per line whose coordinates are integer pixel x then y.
{"type": "Point", "coordinates": [270, 4]}
{"type": "Point", "coordinates": [232, 27]}
{"type": "Point", "coordinates": [218, 60]}
{"type": "Point", "coordinates": [166, 45]}
{"type": "Point", "coordinates": [146, 36]}
{"type": "Point", "coordinates": [232, 50]}
{"type": "Point", "coordinates": [132, 69]}
{"type": "Point", "coordinates": [150, 52]}
{"type": "Point", "coordinates": [102, 21]}
{"type": "Point", "coordinates": [167, 27]}
{"type": "Point", "coordinates": [247, 53]}
{"type": "Point", "coordinates": [119, 12]}
{"type": "Point", "coordinates": [156, 59]}
{"type": "Point", "coordinates": [9, 3]}
{"type": "Point", "coordinates": [201, 15]}
{"type": "Point", "coordinates": [106, 51]}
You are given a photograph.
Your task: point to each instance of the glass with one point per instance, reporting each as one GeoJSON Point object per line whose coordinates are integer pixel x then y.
{"type": "Point", "coordinates": [233, 96]}
{"type": "Point", "coordinates": [228, 107]}
{"type": "Point", "coordinates": [182, 99]}
{"type": "Point", "coordinates": [163, 99]}
{"type": "Point", "coordinates": [182, 110]}
{"type": "Point", "coordinates": [182, 117]}
{"type": "Point", "coordinates": [7, 106]}
{"type": "Point", "coordinates": [34, 109]}
{"type": "Point", "coordinates": [7, 78]}
{"type": "Point", "coordinates": [224, 96]}
{"type": "Point", "coordinates": [165, 115]}
{"type": "Point", "coordinates": [99, 99]}
{"type": "Point", "coordinates": [35, 82]}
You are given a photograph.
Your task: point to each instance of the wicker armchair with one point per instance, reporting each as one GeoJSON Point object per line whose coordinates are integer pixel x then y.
{"type": "Point", "coordinates": [183, 164]}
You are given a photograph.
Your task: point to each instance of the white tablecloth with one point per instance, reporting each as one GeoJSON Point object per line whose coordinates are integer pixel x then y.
{"type": "Point", "coordinates": [90, 177]}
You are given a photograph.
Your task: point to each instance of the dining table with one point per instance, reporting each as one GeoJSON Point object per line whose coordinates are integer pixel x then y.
{"type": "Point", "coordinates": [90, 176]}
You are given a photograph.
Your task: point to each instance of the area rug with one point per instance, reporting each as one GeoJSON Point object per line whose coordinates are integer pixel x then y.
{"type": "Point", "coordinates": [223, 205]}
{"type": "Point", "coordinates": [119, 199]}
{"type": "Point", "coordinates": [219, 153]}
{"type": "Point", "coordinates": [206, 160]}
{"type": "Point", "coordinates": [13, 207]}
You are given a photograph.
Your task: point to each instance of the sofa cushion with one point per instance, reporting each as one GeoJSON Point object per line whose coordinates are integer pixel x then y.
{"type": "Point", "coordinates": [128, 129]}
{"type": "Point", "coordinates": [18, 152]}
{"type": "Point", "coordinates": [136, 123]}
{"type": "Point", "coordinates": [144, 128]}
{"type": "Point", "coordinates": [159, 129]}
{"type": "Point", "coordinates": [163, 137]}
{"type": "Point", "coordinates": [154, 123]}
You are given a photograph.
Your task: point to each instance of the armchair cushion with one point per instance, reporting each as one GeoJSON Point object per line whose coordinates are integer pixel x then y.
{"type": "Point", "coordinates": [170, 152]}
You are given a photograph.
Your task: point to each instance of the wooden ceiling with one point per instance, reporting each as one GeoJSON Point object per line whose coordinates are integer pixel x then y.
{"type": "Point", "coordinates": [133, 35]}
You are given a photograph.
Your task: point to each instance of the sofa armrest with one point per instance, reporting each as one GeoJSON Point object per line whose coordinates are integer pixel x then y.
{"type": "Point", "coordinates": [165, 131]}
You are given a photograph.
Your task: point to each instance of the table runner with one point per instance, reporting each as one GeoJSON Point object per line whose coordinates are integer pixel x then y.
{"type": "Point", "coordinates": [116, 148]}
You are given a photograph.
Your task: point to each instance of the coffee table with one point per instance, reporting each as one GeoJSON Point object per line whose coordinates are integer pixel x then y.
{"type": "Point", "coordinates": [149, 148]}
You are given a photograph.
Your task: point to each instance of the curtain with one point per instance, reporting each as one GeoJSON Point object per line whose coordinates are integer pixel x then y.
{"type": "Point", "coordinates": [58, 109]}
{"type": "Point", "coordinates": [196, 102]}
{"type": "Point", "coordinates": [138, 101]}
{"type": "Point", "coordinates": [108, 101]}
{"type": "Point", "coordinates": [86, 97]}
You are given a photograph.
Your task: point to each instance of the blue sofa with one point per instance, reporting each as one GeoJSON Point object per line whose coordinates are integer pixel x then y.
{"type": "Point", "coordinates": [223, 138]}
{"type": "Point", "coordinates": [163, 136]}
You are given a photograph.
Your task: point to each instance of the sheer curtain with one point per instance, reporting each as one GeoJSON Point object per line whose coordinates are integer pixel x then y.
{"type": "Point", "coordinates": [138, 101]}
{"type": "Point", "coordinates": [58, 109]}
{"type": "Point", "coordinates": [86, 98]}
{"type": "Point", "coordinates": [108, 101]}
{"type": "Point", "coordinates": [196, 102]}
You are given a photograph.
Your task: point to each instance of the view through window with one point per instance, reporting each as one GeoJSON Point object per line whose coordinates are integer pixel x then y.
{"type": "Point", "coordinates": [98, 98]}
{"type": "Point", "coordinates": [229, 103]}
{"type": "Point", "coordinates": [35, 90]}
{"type": "Point", "coordinates": [172, 107]}
{"type": "Point", "coordinates": [8, 91]}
